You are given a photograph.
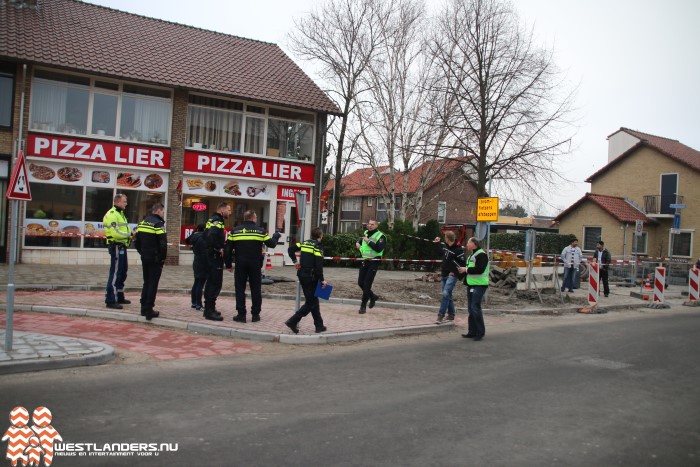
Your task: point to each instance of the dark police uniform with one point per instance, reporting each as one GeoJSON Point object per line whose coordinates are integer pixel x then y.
{"type": "Point", "coordinates": [244, 245]}
{"type": "Point", "coordinates": [309, 274]}
{"type": "Point", "coordinates": [151, 242]}
{"type": "Point", "coordinates": [216, 238]}
{"type": "Point", "coordinates": [371, 254]}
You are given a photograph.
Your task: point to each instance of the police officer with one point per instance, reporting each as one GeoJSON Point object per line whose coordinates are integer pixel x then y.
{"type": "Point", "coordinates": [151, 242]}
{"type": "Point", "coordinates": [371, 247]}
{"type": "Point", "coordinates": [118, 236]}
{"type": "Point", "coordinates": [216, 238]}
{"type": "Point", "coordinates": [477, 282]}
{"type": "Point", "coordinates": [309, 272]}
{"type": "Point", "coordinates": [244, 245]}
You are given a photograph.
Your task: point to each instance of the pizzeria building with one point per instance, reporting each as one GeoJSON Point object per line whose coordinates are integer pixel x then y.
{"type": "Point", "coordinates": [105, 102]}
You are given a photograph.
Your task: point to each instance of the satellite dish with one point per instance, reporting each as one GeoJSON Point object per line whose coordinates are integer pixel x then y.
{"type": "Point", "coordinates": [480, 230]}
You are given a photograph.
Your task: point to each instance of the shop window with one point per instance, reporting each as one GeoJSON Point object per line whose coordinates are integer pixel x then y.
{"type": "Point", "coordinates": [193, 214]}
{"type": "Point", "coordinates": [214, 128]}
{"type": "Point", "coordinates": [104, 114]}
{"type": "Point", "coordinates": [292, 140]}
{"type": "Point", "coordinates": [97, 202]}
{"type": "Point", "coordinates": [254, 134]}
{"type": "Point", "coordinates": [59, 107]}
{"type": "Point", "coordinates": [54, 216]}
{"type": "Point", "coordinates": [591, 236]}
{"type": "Point", "coordinates": [139, 204]}
{"type": "Point", "coordinates": [681, 244]}
{"type": "Point", "coordinates": [6, 88]}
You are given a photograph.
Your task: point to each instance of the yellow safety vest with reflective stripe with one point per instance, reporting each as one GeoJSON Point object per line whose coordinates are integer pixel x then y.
{"type": "Point", "coordinates": [477, 279]}
{"type": "Point", "coordinates": [309, 247]}
{"type": "Point", "coordinates": [248, 234]}
{"type": "Point", "coordinates": [149, 228]}
{"type": "Point", "coordinates": [116, 227]}
{"type": "Point", "coordinates": [366, 251]}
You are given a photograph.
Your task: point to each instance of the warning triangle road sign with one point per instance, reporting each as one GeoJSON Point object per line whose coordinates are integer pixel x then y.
{"type": "Point", "coordinates": [19, 183]}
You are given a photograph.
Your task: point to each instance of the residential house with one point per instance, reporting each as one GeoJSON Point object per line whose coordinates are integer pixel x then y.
{"type": "Point", "coordinates": [449, 197]}
{"type": "Point", "coordinates": [648, 178]}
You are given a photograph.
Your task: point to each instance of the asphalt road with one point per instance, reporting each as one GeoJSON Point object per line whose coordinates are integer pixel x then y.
{"type": "Point", "coordinates": [588, 391]}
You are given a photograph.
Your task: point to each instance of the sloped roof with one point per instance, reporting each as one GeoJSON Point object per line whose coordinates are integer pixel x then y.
{"type": "Point", "coordinates": [616, 206]}
{"type": "Point", "coordinates": [364, 182]}
{"type": "Point", "coordinates": [79, 36]}
{"type": "Point", "coordinates": [669, 147]}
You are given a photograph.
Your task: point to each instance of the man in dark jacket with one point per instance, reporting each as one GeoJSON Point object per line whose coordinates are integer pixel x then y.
{"type": "Point", "coordinates": [216, 238]}
{"type": "Point", "coordinates": [452, 260]}
{"type": "Point", "coordinates": [309, 272]}
{"type": "Point", "coordinates": [151, 242]}
{"type": "Point", "coordinates": [602, 257]}
{"type": "Point", "coordinates": [244, 245]}
{"type": "Point", "coordinates": [200, 266]}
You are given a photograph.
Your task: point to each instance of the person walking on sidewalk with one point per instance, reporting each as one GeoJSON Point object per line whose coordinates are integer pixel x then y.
{"type": "Point", "coordinates": [119, 236]}
{"type": "Point", "coordinates": [215, 237]}
{"type": "Point", "coordinates": [602, 257]}
{"type": "Point", "coordinates": [371, 247]}
{"type": "Point", "coordinates": [452, 260]}
{"type": "Point", "coordinates": [571, 258]}
{"type": "Point", "coordinates": [199, 265]}
{"type": "Point", "coordinates": [244, 245]}
{"type": "Point", "coordinates": [310, 272]}
{"type": "Point", "coordinates": [477, 282]}
{"type": "Point", "coordinates": [151, 242]}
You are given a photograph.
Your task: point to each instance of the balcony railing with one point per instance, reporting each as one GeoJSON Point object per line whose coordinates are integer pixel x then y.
{"type": "Point", "coordinates": [661, 204]}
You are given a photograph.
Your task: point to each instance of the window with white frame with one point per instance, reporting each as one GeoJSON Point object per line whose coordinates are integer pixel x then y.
{"type": "Point", "coordinates": [591, 236]}
{"type": "Point", "coordinates": [681, 244]}
{"type": "Point", "coordinates": [214, 124]}
{"type": "Point", "coordinates": [254, 129]}
{"type": "Point", "coordinates": [349, 227]}
{"type": "Point", "coordinates": [290, 134]}
{"type": "Point", "coordinates": [641, 247]}
{"type": "Point", "coordinates": [370, 201]}
{"type": "Point", "coordinates": [442, 212]}
{"type": "Point", "coordinates": [79, 105]}
{"type": "Point", "coordinates": [350, 204]}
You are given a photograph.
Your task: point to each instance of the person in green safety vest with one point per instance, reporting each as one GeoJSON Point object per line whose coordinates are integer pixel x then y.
{"type": "Point", "coordinates": [371, 247]}
{"type": "Point", "coordinates": [119, 236]}
{"type": "Point", "coordinates": [477, 282]}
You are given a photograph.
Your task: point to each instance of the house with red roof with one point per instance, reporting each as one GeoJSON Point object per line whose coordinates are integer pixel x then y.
{"type": "Point", "coordinates": [439, 190]}
{"type": "Point", "coordinates": [651, 180]}
{"type": "Point", "coordinates": [107, 102]}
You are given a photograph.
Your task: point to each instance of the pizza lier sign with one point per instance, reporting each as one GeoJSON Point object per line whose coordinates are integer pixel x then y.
{"type": "Point", "coordinates": [239, 166]}
{"type": "Point", "coordinates": [101, 152]}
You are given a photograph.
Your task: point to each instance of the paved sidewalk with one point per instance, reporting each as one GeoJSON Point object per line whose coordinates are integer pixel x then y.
{"type": "Point", "coordinates": [54, 296]}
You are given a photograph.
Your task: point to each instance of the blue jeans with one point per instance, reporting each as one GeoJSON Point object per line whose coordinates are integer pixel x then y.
{"type": "Point", "coordinates": [568, 281]}
{"type": "Point", "coordinates": [476, 326]}
{"type": "Point", "coordinates": [447, 304]}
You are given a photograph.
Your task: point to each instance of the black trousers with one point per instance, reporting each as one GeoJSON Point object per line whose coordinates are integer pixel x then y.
{"type": "Point", "coordinates": [151, 276]}
{"type": "Point", "coordinates": [215, 279]}
{"type": "Point", "coordinates": [311, 305]}
{"type": "Point", "coordinates": [604, 280]}
{"type": "Point", "coordinates": [368, 271]}
{"type": "Point", "coordinates": [248, 271]}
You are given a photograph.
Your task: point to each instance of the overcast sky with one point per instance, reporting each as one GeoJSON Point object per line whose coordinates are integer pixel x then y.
{"type": "Point", "coordinates": [635, 61]}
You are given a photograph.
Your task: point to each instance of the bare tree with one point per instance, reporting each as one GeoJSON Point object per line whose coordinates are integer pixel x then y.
{"type": "Point", "coordinates": [513, 113]}
{"type": "Point", "coordinates": [341, 36]}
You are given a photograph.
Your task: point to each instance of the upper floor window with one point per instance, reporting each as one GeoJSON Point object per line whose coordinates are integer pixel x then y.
{"type": "Point", "coordinates": [6, 89]}
{"type": "Point", "coordinates": [231, 126]}
{"type": "Point", "coordinates": [350, 204]}
{"type": "Point", "coordinates": [79, 105]}
{"type": "Point", "coordinates": [442, 212]}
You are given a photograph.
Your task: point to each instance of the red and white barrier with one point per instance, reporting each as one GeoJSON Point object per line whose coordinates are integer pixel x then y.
{"type": "Point", "coordinates": [593, 284]}
{"type": "Point", "coordinates": [659, 283]}
{"type": "Point", "coordinates": [694, 285]}
{"type": "Point", "coordinates": [268, 264]}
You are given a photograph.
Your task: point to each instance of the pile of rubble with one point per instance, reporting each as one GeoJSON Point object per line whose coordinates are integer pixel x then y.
{"type": "Point", "coordinates": [498, 277]}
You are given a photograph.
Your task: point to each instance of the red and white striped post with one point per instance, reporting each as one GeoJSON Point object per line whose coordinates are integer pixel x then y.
{"type": "Point", "coordinates": [659, 284]}
{"type": "Point", "coordinates": [593, 284]}
{"type": "Point", "coordinates": [694, 285]}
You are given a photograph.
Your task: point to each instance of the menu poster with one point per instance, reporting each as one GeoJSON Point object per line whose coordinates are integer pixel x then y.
{"type": "Point", "coordinates": [227, 188]}
{"type": "Point", "coordinates": [42, 172]}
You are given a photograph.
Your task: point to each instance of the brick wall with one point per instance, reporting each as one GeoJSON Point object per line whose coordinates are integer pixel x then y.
{"type": "Point", "coordinates": [177, 155]}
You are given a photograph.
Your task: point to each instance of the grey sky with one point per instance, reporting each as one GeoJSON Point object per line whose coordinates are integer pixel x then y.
{"type": "Point", "coordinates": [635, 62]}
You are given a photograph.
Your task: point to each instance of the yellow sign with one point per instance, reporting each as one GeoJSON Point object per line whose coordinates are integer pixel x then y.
{"type": "Point", "coordinates": [487, 210]}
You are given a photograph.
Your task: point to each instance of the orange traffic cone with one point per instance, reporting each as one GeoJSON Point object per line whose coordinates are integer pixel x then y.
{"type": "Point", "coordinates": [268, 264]}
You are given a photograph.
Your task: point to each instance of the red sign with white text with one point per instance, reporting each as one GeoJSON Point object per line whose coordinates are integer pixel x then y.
{"type": "Point", "coordinates": [240, 166]}
{"type": "Point", "coordinates": [287, 193]}
{"type": "Point", "coordinates": [100, 152]}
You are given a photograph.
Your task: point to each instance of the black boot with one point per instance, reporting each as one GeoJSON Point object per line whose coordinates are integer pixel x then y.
{"type": "Point", "coordinates": [372, 299]}
{"type": "Point", "coordinates": [292, 326]}
{"type": "Point", "coordinates": [122, 300]}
